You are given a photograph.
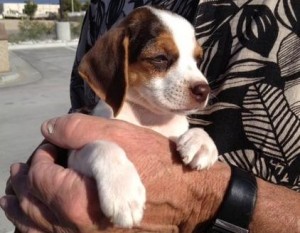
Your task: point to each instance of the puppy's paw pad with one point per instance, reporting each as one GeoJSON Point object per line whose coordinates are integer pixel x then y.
{"type": "Point", "coordinates": [128, 214]}
{"type": "Point", "coordinates": [197, 149]}
{"type": "Point", "coordinates": [204, 159]}
{"type": "Point", "coordinates": [123, 200]}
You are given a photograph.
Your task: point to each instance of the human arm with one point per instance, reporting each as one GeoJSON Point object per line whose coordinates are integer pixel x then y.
{"type": "Point", "coordinates": [277, 209]}
{"type": "Point", "coordinates": [177, 198]}
{"type": "Point", "coordinates": [168, 205]}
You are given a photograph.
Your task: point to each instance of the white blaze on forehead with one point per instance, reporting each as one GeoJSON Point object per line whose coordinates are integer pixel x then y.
{"type": "Point", "coordinates": [183, 34]}
{"type": "Point", "coordinates": [171, 90]}
{"type": "Point", "coordinates": [182, 31]}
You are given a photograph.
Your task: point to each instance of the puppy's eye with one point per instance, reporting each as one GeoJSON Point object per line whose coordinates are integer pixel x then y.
{"type": "Point", "coordinates": [160, 62]}
{"type": "Point", "coordinates": [160, 59]}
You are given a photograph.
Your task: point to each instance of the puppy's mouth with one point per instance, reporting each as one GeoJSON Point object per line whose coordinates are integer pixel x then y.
{"type": "Point", "coordinates": [187, 111]}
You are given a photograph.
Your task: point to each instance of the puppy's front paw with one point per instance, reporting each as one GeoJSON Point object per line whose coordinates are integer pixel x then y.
{"type": "Point", "coordinates": [197, 149]}
{"type": "Point", "coordinates": [122, 194]}
{"type": "Point", "coordinates": [123, 200]}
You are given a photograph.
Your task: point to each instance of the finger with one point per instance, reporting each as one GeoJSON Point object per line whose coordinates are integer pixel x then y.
{"type": "Point", "coordinates": [63, 131]}
{"type": "Point", "coordinates": [44, 174]}
{"type": "Point", "coordinates": [18, 180]}
{"type": "Point", "coordinates": [8, 188]}
{"type": "Point", "coordinates": [14, 213]}
{"type": "Point", "coordinates": [69, 131]}
{"type": "Point", "coordinates": [48, 179]}
{"type": "Point", "coordinates": [21, 168]}
{"type": "Point", "coordinates": [46, 153]}
{"type": "Point", "coordinates": [18, 176]}
{"type": "Point", "coordinates": [32, 207]}
{"type": "Point", "coordinates": [64, 191]}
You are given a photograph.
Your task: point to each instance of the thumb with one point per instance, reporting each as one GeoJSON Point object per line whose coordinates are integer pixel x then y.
{"type": "Point", "coordinates": [72, 131]}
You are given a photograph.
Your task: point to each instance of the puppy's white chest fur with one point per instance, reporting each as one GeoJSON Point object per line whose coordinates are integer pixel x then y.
{"type": "Point", "coordinates": [146, 71]}
{"type": "Point", "coordinates": [169, 125]}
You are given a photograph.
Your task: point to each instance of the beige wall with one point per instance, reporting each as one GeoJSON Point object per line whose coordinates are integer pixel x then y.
{"type": "Point", "coordinates": [42, 9]}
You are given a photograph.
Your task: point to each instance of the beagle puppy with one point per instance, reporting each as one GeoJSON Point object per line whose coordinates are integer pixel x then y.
{"type": "Point", "coordinates": [145, 71]}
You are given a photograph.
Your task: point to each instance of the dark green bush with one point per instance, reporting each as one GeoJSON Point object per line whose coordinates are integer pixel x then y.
{"type": "Point", "coordinates": [33, 30]}
{"type": "Point", "coordinates": [36, 30]}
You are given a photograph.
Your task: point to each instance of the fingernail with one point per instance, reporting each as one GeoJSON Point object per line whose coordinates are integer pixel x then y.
{"type": "Point", "coordinates": [50, 125]}
{"type": "Point", "coordinates": [3, 202]}
{"type": "Point", "coordinates": [18, 168]}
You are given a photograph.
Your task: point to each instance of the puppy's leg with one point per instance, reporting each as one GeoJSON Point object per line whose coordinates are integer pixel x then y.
{"type": "Point", "coordinates": [197, 149]}
{"type": "Point", "coordinates": [121, 193]}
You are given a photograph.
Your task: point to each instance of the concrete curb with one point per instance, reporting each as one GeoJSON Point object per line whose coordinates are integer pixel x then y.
{"type": "Point", "coordinates": [21, 73]}
{"type": "Point", "coordinates": [42, 44]}
{"type": "Point", "coordinates": [8, 77]}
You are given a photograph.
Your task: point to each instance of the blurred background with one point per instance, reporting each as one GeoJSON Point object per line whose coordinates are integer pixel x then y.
{"type": "Point", "coordinates": [38, 41]}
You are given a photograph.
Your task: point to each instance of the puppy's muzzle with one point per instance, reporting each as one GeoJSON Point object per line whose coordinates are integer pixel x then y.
{"type": "Point", "coordinates": [200, 91]}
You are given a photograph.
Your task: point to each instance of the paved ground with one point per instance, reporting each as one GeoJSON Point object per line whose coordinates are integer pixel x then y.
{"type": "Point", "coordinates": [39, 92]}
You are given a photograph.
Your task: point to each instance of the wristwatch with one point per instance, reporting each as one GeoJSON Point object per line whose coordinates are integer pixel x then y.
{"type": "Point", "coordinates": [235, 212]}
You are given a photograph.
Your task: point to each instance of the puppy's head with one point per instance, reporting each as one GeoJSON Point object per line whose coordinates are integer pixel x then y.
{"type": "Point", "coordinates": [151, 58]}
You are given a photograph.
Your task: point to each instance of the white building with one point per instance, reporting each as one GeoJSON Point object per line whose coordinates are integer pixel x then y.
{"type": "Point", "coordinates": [15, 10]}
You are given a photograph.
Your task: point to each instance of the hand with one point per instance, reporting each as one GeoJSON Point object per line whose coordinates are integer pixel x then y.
{"type": "Point", "coordinates": [50, 198]}
{"type": "Point", "coordinates": [42, 209]}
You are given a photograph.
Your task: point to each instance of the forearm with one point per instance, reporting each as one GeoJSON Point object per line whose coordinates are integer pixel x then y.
{"type": "Point", "coordinates": [206, 193]}
{"type": "Point", "coordinates": [177, 197]}
{"type": "Point", "coordinates": [277, 209]}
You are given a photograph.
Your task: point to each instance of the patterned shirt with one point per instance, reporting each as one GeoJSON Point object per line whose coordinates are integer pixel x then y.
{"type": "Point", "coordinates": [252, 62]}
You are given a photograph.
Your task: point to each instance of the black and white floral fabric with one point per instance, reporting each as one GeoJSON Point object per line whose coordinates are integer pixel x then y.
{"type": "Point", "coordinates": [252, 62]}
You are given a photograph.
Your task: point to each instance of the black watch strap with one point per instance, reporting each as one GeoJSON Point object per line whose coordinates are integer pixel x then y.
{"type": "Point", "coordinates": [236, 210]}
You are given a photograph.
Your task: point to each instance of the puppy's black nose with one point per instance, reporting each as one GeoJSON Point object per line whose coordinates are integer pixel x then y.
{"type": "Point", "coordinates": [200, 91]}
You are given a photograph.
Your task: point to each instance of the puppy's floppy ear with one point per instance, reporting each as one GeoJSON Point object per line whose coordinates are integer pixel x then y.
{"type": "Point", "coordinates": [105, 67]}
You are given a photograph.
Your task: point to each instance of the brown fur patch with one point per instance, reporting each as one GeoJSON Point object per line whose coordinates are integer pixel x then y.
{"type": "Point", "coordinates": [198, 53]}
{"type": "Point", "coordinates": [104, 67]}
{"type": "Point", "coordinates": [147, 64]}
{"type": "Point", "coordinates": [131, 53]}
